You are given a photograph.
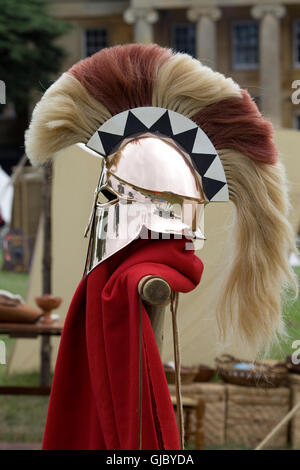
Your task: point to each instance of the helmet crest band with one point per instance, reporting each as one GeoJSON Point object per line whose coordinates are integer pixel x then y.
{"type": "Point", "coordinates": [163, 122]}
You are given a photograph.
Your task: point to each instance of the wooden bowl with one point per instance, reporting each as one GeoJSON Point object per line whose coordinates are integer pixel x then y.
{"type": "Point", "coordinates": [204, 374]}
{"type": "Point", "coordinates": [187, 375]}
{"type": "Point", "coordinates": [20, 314]}
{"type": "Point", "coordinates": [48, 303]}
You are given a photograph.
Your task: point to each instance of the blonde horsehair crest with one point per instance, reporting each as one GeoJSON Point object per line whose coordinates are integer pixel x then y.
{"type": "Point", "coordinates": [258, 275]}
{"type": "Point", "coordinates": [124, 77]}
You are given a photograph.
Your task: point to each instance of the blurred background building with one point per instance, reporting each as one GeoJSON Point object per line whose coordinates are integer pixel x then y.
{"type": "Point", "coordinates": [256, 42]}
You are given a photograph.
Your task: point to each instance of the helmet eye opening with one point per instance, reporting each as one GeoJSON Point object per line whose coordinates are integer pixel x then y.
{"type": "Point", "coordinates": [107, 195]}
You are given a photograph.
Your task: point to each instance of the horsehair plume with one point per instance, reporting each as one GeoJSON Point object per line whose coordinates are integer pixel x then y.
{"type": "Point", "coordinates": [237, 124]}
{"type": "Point", "coordinates": [113, 80]}
{"type": "Point", "coordinates": [123, 77]}
{"type": "Point", "coordinates": [259, 272]}
{"type": "Point", "coordinates": [66, 114]}
{"type": "Point", "coordinates": [94, 89]}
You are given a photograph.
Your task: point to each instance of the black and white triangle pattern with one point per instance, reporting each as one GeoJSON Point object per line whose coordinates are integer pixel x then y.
{"type": "Point", "coordinates": [160, 121]}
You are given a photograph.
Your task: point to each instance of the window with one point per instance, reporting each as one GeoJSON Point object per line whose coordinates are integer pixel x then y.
{"type": "Point", "coordinates": [245, 47]}
{"type": "Point", "coordinates": [297, 122]}
{"type": "Point", "coordinates": [296, 44]}
{"type": "Point", "coordinates": [94, 40]}
{"type": "Point", "coordinates": [7, 111]}
{"type": "Point", "coordinates": [183, 38]}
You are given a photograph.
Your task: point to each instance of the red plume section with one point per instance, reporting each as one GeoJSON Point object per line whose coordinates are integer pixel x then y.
{"type": "Point", "coordinates": [236, 123]}
{"type": "Point", "coordinates": [121, 77]}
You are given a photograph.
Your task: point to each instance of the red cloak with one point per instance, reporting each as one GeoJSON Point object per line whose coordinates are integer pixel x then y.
{"type": "Point", "coordinates": [95, 390]}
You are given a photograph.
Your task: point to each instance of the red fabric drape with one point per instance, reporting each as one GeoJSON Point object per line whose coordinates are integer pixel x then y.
{"type": "Point", "coordinates": [94, 397]}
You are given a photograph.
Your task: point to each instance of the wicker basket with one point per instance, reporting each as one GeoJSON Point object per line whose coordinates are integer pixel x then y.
{"type": "Point", "coordinates": [293, 368]}
{"type": "Point", "coordinates": [253, 412]}
{"type": "Point", "coordinates": [204, 374]}
{"type": "Point", "coordinates": [260, 374]}
{"type": "Point", "coordinates": [294, 380]}
{"type": "Point", "coordinates": [214, 395]}
{"type": "Point", "coordinates": [187, 375]}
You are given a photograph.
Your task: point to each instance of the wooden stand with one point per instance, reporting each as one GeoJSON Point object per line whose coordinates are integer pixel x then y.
{"type": "Point", "coordinates": [45, 368]}
{"type": "Point", "coordinates": [155, 293]}
{"type": "Point", "coordinates": [193, 428]}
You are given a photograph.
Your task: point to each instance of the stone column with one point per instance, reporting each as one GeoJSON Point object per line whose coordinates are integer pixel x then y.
{"type": "Point", "coordinates": [143, 19]}
{"type": "Point", "coordinates": [205, 19]}
{"type": "Point", "coordinates": [270, 67]}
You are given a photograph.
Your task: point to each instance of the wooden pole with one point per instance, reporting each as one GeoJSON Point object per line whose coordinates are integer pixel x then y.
{"type": "Point", "coordinates": [155, 293]}
{"type": "Point", "coordinates": [278, 426]}
{"type": "Point", "coordinates": [46, 271]}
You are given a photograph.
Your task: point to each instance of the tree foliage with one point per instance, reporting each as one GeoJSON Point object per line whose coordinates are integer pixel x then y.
{"type": "Point", "coordinates": [29, 54]}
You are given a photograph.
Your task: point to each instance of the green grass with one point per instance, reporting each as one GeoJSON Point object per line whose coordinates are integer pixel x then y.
{"type": "Point", "coordinates": [291, 314]}
{"type": "Point", "coordinates": [22, 418]}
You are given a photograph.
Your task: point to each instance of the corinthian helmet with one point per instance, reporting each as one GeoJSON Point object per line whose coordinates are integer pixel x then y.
{"type": "Point", "coordinates": [173, 134]}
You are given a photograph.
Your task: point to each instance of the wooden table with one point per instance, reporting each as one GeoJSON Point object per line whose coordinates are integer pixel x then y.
{"type": "Point", "coordinates": [33, 330]}
{"type": "Point", "coordinates": [193, 431]}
